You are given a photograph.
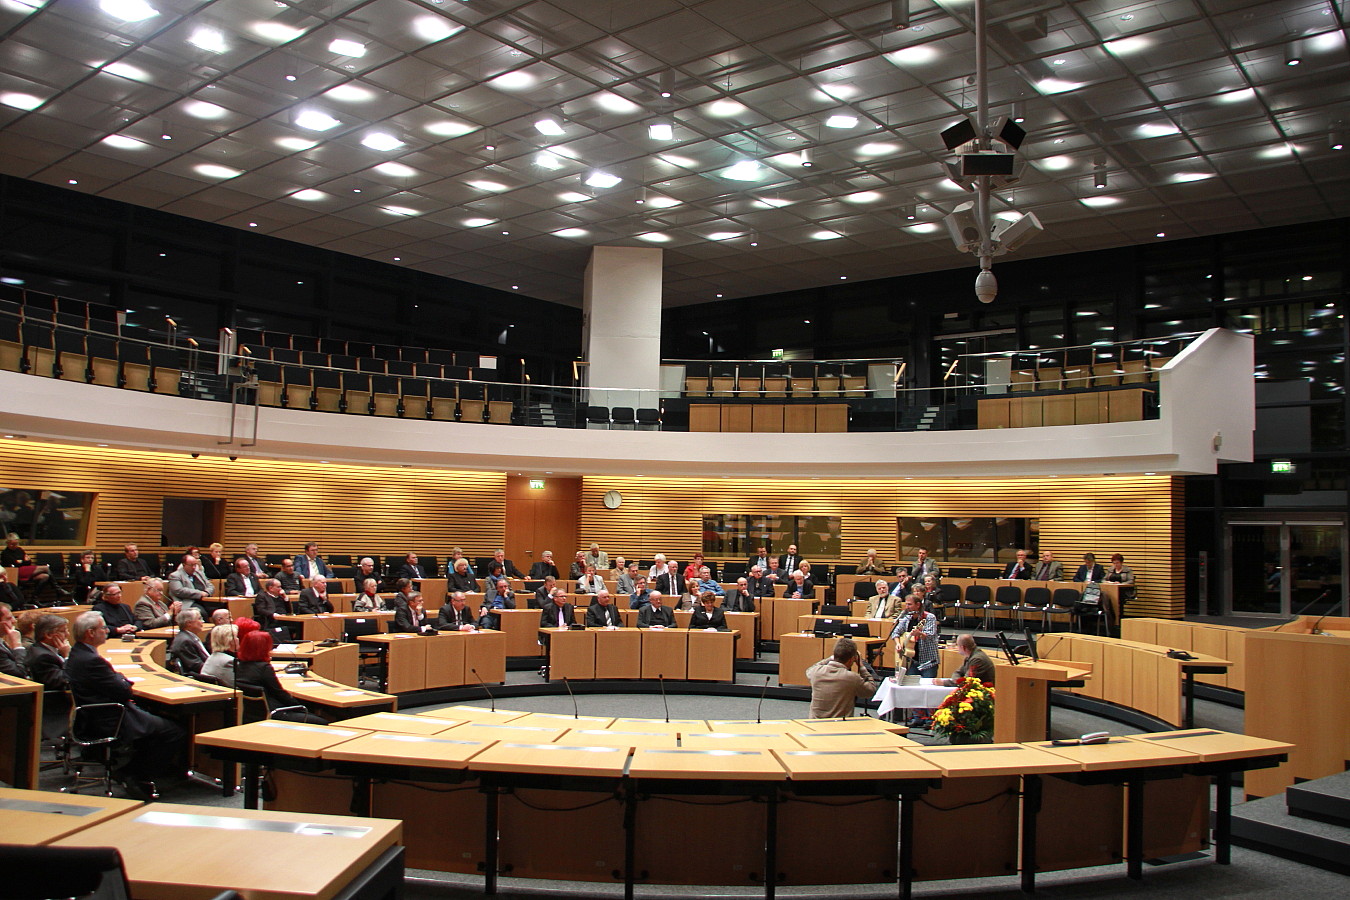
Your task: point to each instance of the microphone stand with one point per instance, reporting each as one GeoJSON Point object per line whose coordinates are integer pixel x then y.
{"type": "Point", "coordinates": [664, 701]}
{"type": "Point", "coordinates": [759, 708]}
{"type": "Point", "coordinates": [491, 698]}
{"type": "Point", "coordinates": [567, 683]}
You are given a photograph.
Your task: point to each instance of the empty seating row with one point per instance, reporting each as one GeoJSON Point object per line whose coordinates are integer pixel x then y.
{"type": "Point", "coordinates": [641, 419]}
{"type": "Point", "coordinates": [92, 359]}
{"type": "Point", "coordinates": [1071, 378]}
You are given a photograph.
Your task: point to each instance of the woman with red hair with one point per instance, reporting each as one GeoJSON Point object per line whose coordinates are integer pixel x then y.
{"type": "Point", "coordinates": [254, 675]}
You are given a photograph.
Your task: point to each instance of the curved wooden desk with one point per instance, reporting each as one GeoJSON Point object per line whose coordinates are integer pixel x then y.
{"type": "Point", "coordinates": [632, 786]}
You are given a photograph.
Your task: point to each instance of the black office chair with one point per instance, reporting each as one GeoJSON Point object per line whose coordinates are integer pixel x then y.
{"type": "Point", "coordinates": [1004, 604]}
{"type": "Point", "coordinates": [977, 595]}
{"type": "Point", "coordinates": [38, 873]}
{"type": "Point", "coordinates": [93, 742]}
{"type": "Point", "coordinates": [649, 419]}
{"type": "Point", "coordinates": [597, 415]}
{"type": "Point", "coordinates": [1089, 606]}
{"type": "Point", "coordinates": [1062, 603]}
{"type": "Point", "coordinates": [946, 597]}
{"type": "Point", "coordinates": [1035, 600]}
{"type": "Point", "coordinates": [623, 417]}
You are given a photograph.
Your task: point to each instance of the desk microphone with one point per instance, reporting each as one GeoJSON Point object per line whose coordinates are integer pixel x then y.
{"type": "Point", "coordinates": [567, 683]}
{"type": "Point", "coordinates": [760, 707]}
{"type": "Point", "coordinates": [1318, 624]}
{"type": "Point", "coordinates": [485, 688]}
{"type": "Point", "coordinates": [664, 702]}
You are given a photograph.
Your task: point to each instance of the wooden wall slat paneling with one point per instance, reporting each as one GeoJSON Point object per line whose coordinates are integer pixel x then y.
{"type": "Point", "coordinates": [1139, 517]}
{"type": "Point", "coordinates": [279, 505]}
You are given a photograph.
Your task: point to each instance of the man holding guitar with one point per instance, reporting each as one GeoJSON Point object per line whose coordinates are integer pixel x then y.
{"type": "Point", "coordinates": [916, 640]}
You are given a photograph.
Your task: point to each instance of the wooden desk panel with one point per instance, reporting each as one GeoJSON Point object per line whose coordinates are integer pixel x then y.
{"type": "Point", "coordinates": [484, 651]}
{"type": "Point", "coordinates": [41, 817]}
{"type": "Point", "coordinates": [618, 654]}
{"type": "Point", "coordinates": [796, 654]}
{"type": "Point", "coordinates": [445, 666]}
{"type": "Point", "coordinates": [711, 656]}
{"type": "Point", "coordinates": [736, 417]}
{"type": "Point", "coordinates": [406, 659]}
{"type": "Point", "coordinates": [747, 625]}
{"type": "Point", "coordinates": [705, 417]}
{"type": "Point", "coordinates": [334, 663]}
{"type": "Point", "coordinates": [799, 418]}
{"type": "Point", "coordinates": [665, 653]}
{"type": "Point", "coordinates": [21, 727]}
{"type": "Point", "coordinates": [832, 418]}
{"type": "Point", "coordinates": [786, 613]}
{"type": "Point", "coordinates": [399, 723]}
{"type": "Point", "coordinates": [571, 654]}
{"type": "Point", "coordinates": [521, 627]}
{"type": "Point", "coordinates": [767, 417]}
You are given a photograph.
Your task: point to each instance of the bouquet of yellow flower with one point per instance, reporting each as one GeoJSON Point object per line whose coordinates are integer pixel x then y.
{"type": "Point", "coordinates": [967, 715]}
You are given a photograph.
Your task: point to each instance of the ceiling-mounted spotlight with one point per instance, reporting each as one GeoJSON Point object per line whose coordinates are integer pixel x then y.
{"type": "Point", "coordinates": [899, 14]}
{"type": "Point", "coordinates": [908, 212]}
{"type": "Point", "coordinates": [1336, 138]}
{"type": "Point", "coordinates": [1099, 176]}
{"type": "Point", "coordinates": [1019, 111]}
{"type": "Point", "coordinates": [667, 84]}
{"type": "Point", "coordinates": [1292, 54]}
{"type": "Point", "coordinates": [548, 126]}
{"type": "Point", "coordinates": [804, 158]}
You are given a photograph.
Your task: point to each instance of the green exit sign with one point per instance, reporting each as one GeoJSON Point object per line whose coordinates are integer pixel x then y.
{"type": "Point", "coordinates": [1281, 467]}
{"type": "Point", "coordinates": [536, 484]}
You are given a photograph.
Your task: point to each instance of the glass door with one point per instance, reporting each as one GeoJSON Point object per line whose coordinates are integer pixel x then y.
{"type": "Point", "coordinates": [1285, 567]}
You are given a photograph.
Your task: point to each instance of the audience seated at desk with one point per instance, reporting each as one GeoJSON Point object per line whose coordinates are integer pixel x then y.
{"type": "Point", "coordinates": [131, 567]}
{"type": "Point", "coordinates": [790, 560]}
{"type": "Point", "coordinates": [253, 674]}
{"type": "Point", "coordinates": [159, 746]}
{"type": "Point", "coordinates": [29, 571]}
{"type": "Point", "coordinates": [1050, 568]}
{"type": "Point", "coordinates": [558, 613]}
{"type": "Point", "coordinates": [924, 566]}
{"type": "Point", "coordinates": [1089, 572]}
{"type": "Point", "coordinates": [365, 569]}
{"type": "Point", "coordinates": [154, 609]}
{"type": "Point", "coordinates": [188, 585]}
{"type": "Point", "coordinates": [411, 569]}
{"type": "Point", "coordinates": [272, 602]}
{"type": "Point", "coordinates": [187, 649]}
{"type": "Point", "coordinates": [9, 593]}
{"type": "Point", "coordinates": [84, 574]}
{"type": "Point", "coordinates": [411, 617]}
{"type": "Point", "coordinates": [116, 614]}
{"type": "Point", "coordinates": [708, 616]}
{"type": "Point", "coordinates": [47, 656]}
{"type": "Point", "coordinates": [977, 664]}
{"type": "Point", "coordinates": [655, 614]}
{"type": "Point", "coordinates": [921, 627]}
{"type": "Point", "coordinates": [742, 599]}
{"type": "Point", "coordinates": [669, 582]}
{"type": "Point", "coordinates": [578, 566]}
{"type": "Point", "coordinates": [694, 569]}
{"type": "Point", "coordinates": [706, 584]}
{"type": "Point", "coordinates": [241, 582]}
{"type": "Point", "coordinates": [224, 650]}
{"type": "Point", "coordinates": [313, 600]}
{"type": "Point", "coordinates": [456, 615]}
{"type": "Point", "coordinates": [310, 563]}
{"type": "Point", "coordinates": [760, 584]}
{"type": "Point", "coordinates": [800, 587]}
{"type": "Point", "coordinates": [602, 613]}
{"type": "Point", "coordinates": [640, 595]}
{"type": "Point", "coordinates": [1123, 575]}
{"type": "Point", "coordinates": [590, 583]}
{"type": "Point", "coordinates": [255, 563]}
{"type": "Point", "coordinates": [625, 582]}
{"type": "Point", "coordinates": [291, 582]}
{"type": "Point", "coordinates": [872, 565]}
{"type": "Point", "coordinates": [502, 597]}
{"type": "Point", "coordinates": [508, 568]}
{"type": "Point", "coordinates": [883, 604]}
{"type": "Point", "coordinates": [545, 567]}
{"type": "Point", "coordinates": [542, 594]}
{"type": "Point", "coordinates": [1019, 569]}
{"type": "Point", "coordinates": [215, 564]}
{"type": "Point", "coordinates": [13, 654]}
{"type": "Point", "coordinates": [597, 558]}
{"type": "Point", "coordinates": [461, 578]}
{"type": "Point", "coordinates": [368, 600]}
{"type": "Point", "coordinates": [839, 681]}
{"type": "Point", "coordinates": [403, 591]}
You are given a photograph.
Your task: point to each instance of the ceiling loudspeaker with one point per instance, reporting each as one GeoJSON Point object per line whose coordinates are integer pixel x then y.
{"type": "Point", "coordinates": [963, 227]}
{"type": "Point", "coordinates": [1012, 235]}
{"type": "Point", "coordinates": [958, 134]}
{"type": "Point", "coordinates": [986, 163]}
{"type": "Point", "coordinates": [1001, 128]}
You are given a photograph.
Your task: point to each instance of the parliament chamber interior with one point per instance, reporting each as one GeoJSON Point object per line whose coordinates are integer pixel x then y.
{"type": "Point", "coordinates": [455, 448]}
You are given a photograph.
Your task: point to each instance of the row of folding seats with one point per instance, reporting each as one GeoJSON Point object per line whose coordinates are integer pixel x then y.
{"type": "Point", "coordinates": [1077, 378]}
{"type": "Point", "coordinates": [754, 387]}
{"type": "Point", "coordinates": [282, 347]}
{"type": "Point", "coordinates": [37, 348]}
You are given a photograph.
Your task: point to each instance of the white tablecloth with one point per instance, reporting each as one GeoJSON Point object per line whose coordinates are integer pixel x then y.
{"type": "Point", "coordinates": [925, 695]}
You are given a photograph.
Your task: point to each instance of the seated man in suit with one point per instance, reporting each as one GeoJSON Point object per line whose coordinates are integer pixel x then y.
{"type": "Point", "coordinates": [116, 615]}
{"type": "Point", "coordinates": [708, 616]}
{"type": "Point", "coordinates": [655, 614]}
{"type": "Point", "coordinates": [740, 600]}
{"type": "Point", "coordinates": [501, 598]}
{"type": "Point", "coordinates": [924, 566]}
{"type": "Point", "coordinates": [411, 568]}
{"type": "Point", "coordinates": [187, 649]}
{"type": "Point", "coordinates": [545, 567]}
{"type": "Point", "coordinates": [188, 585]}
{"type": "Point", "coordinates": [131, 567]}
{"type": "Point", "coordinates": [578, 567]}
{"type": "Point", "coordinates": [313, 600]}
{"type": "Point", "coordinates": [411, 618]}
{"type": "Point", "coordinates": [977, 664]}
{"type": "Point", "coordinates": [761, 559]}
{"type": "Point", "coordinates": [800, 588]}
{"type": "Point", "coordinates": [255, 563]}
{"type": "Point", "coordinates": [154, 609]}
{"type": "Point", "coordinates": [707, 585]}
{"type": "Point", "coordinates": [759, 585]}
{"type": "Point", "coordinates": [884, 605]}
{"type": "Point", "coordinates": [365, 569]}
{"type": "Point", "coordinates": [47, 656]}
{"type": "Point", "coordinates": [598, 558]}
{"type": "Point", "coordinates": [543, 593]}
{"type": "Point", "coordinates": [270, 603]}
{"type": "Point", "coordinates": [872, 565]}
{"type": "Point", "coordinates": [290, 579]}
{"type": "Point", "coordinates": [669, 581]}
{"type": "Point", "coordinates": [456, 615]}
{"type": "Point", "coordinates": [1089, 571]}
{"type": "Point", "coordinates": [242, 582]}
{"type": "Point", "coordinates": [602, 613]}
{"type": "Point", "coordinates": [557, 613]}
{"type": "Point", "coordinates": [13, 654]}
{"type": "Point", "coordinates": [640, 595]}
{"type": "Point", "coordinates": [626, 580]}
{"type": "Point", "coordinates": [158, 745]}
{"type": "Point", "coordinates": [508, 568]}
{"type": "Point", "coordinates": [310, 563]}
{"type": "Point", "coordinates": [1050, 568]}
{"type": "Point", "coordinates": [1019, 569]}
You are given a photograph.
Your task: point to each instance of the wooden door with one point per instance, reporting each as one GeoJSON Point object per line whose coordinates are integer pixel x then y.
{"type": "Point", "coordinates": [539, 519]}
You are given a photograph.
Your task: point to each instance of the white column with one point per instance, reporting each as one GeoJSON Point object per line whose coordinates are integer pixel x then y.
{"type": "Point", "coordinates": [622, 325]}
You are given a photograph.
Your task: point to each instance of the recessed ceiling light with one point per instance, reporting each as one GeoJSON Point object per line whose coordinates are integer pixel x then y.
{"type": "Point", "coordinates": [518, 80]}
{"type": "Point", "coordinates": [1054, 163]}
{"type": "Point", "coordinates": [912, 56]}
{"type": "Point", "coordinates": [661, 202]}
{"type": "Point", "coordinates": [661, 131]}
{"type": "Point", "coordinates": [295, 143]}
{"type": "Point", "coordinates": [1188, 177]}
{"type": "Point", "coordinates": [745, 170]}
{"type": "Point", "coordinates": [20, 100]}
{"type": "Point", "coordinates": [1128, 45]}
{"type": "Point", "coordinates": [397, 170]}
{"type": "Point", "coordinates": [1164, 234]}
{"type": "Point", "coordinates": [772, 202]}
{"type": "Point", "coordinates": [314, 120]}
{"type": "Point", "coordinates": [1157, 129]}
{"type": "Point", "coordinates": [839, 91]}
{"type": "Point", "coordinates": [840, 120]}
{"type": "Point", "coordinates": [1100, 202]}
{"type": "Point", "coordinates": [209, 39]}
{"type": "Point", "coordinates": [612, 102]}
{"type": "Point", "coordinates": [382, 141]}
{"type": "Point", "coordinates": [434, 28]}
{"type": "Point", "coordinates": [1056, 85]}
{"type": "Point", "coordinates": [878, 148]}
{"type": "Point", "coordinates": [571, 232]}
{"type": "Point", "coordinates": [863, 197]}
{"type": "Point", "coordinates": [599, 179]}
{"type": "Point", "coordinates": [126, 70]}
{"type": "Point", "coordinates": [200, 109]}
{"type": "Point", "coordinates": [1058, 62]}
{"type": "Point", "coordinates": [399, 210]}
{"type": "Point", "coordinates": [655, 237]}
{"type": "Point", "coordinates": [309, 195]}
{"type": "Point", "coordinates": [347, 47]}
{"type": "Point", "coordinates": [211, 170]}
{"type": "Point", "coordinates": [71, 181]}
{"type": "Point", "coordinates": [923, 227]}
{"type": "Point", "coordinates": [477, 223]}
{"type": "Point", "coordinates": [724, 108]}
{"type": "Point", "coordinates": [1279, 151]}
{"type": "Point", "coordinates": [128, 10]}
{"type": "Point", "coordinates": [825, 235]}
{"type": "Point", "coordinates": [683, 162]}
{"type": "Point", "coordinates": [449, 128]}
{"type": "Point", "coordinates": [122, 142]}
{"type": "Point", "coordinates": [350, 93]}
{"type": "Point", "coordinates": [547, 160]}
{"type": "Point", "coordinates": [276, 32]}
{"type": "Point", "coordinates": [724, 235]}
{"type": "Point", "coordinates": [486, 185]}
{"type": "Point", "coordinates": [573, 197]}
{"type": "Point", "coordinates": [549, 127]}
